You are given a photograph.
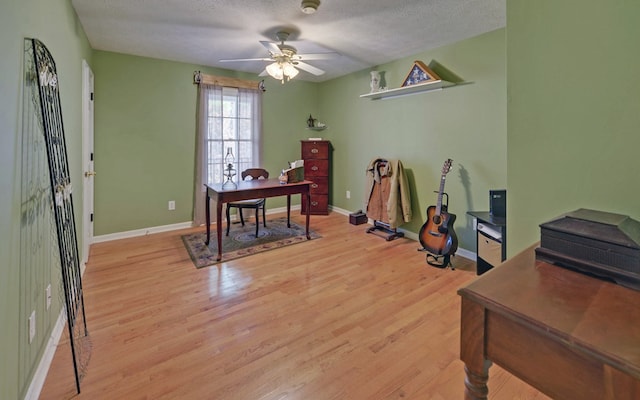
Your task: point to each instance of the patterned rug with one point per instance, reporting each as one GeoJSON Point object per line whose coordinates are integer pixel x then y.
{"type": "Point", "coordinates": [242, 241]}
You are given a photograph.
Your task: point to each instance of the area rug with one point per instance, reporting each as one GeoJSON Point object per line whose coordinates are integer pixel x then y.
{"type": "Point", "coordinates": [242, 241]}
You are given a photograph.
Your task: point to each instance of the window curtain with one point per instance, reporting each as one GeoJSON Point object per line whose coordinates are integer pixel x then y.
{"type": "Point", "coordinates": [250, 131]}
{"type": "Point", "coordinates": [206, 94]}
{"type": "Point", "coordinates": [220, 126]}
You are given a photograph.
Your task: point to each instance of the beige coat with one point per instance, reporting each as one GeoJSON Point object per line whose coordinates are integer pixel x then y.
{"type": "Point", "coordinates": [387, 197]}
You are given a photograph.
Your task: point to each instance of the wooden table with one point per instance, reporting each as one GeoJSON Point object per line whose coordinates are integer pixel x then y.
{"type": "Point", "coordinates": [252, 189]}
{"type": "Point", "coordinates": [567, 334]}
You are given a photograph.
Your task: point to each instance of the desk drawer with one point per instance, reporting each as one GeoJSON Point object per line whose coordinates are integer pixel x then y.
{"type": "Point", "coordinates": [314, 168]}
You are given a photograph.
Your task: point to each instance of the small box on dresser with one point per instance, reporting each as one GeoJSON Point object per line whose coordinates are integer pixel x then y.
{"type": "Point", "coordinates": [317, 159]}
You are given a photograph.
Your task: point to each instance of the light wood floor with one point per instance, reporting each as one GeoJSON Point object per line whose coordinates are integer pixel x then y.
{"type": "Point", "coordinates": [346, 316]}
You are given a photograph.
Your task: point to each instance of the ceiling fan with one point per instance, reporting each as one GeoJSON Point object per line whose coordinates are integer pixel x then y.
{"type": "Point", "coordinates": [285, 59]}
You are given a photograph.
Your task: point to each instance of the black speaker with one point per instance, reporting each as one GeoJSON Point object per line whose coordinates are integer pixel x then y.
{"type": "Point", "coordinates": [498, 203]}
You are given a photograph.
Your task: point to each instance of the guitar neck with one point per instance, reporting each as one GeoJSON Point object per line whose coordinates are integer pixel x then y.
{"type": "Point", "coordinates": [440, 192]}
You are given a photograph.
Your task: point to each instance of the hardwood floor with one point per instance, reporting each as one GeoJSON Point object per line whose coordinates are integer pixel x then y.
{"type": "Point", "coordinates": [346, 316]}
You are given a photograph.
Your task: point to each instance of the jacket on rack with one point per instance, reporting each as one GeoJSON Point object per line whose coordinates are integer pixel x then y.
{"type": "Point", "coordinates": [387, 195]}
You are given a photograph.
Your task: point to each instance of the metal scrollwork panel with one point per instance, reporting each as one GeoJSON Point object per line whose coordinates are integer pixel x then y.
{"type": "Point", "coordinates": [43, 88]}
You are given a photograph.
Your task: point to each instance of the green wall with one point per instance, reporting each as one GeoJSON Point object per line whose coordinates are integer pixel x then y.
{"type": "Point", "coordinates": [145, 137]}
{"type": "Point", "coordinates": [466, 123]}
{"type": "Point", "coordinates": [54, 22]}
{"type": "Point", "coordinates": [573, 111]}
{"type": "Point", "coordinates": [145, 127]}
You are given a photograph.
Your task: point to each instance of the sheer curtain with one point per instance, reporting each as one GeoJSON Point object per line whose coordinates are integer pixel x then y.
{"type": "Point", "coordinates": [226, 118]}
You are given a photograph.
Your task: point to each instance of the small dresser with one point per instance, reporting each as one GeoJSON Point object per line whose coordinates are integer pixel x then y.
{"type": "Point", "coordinates": [317, 155]}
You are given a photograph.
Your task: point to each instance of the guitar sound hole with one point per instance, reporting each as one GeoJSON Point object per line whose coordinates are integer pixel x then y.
{"type": "Point", "coordinates": [436, 219]}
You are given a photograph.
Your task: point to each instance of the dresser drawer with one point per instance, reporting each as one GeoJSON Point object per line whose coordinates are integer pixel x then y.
{"type": "Point", "coordinates": [313, 149]}
{"type": "Point", "coordinates": [320, 185]}
{"type": "Point", "coordinates": [314, 168]}
{"type": "Point", "coordinates": [319, 204]}
{"type": "Point", "coordinates": [316, 156]}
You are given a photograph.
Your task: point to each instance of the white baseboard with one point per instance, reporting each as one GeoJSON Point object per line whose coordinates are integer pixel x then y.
{"type": "Point", "coordinates": [167, 228]}
{"type": "Point", "coordinates": [45, 362]}
{"type": "Point", "coordinates": [39, 377]}
{"type": "Point", "coordinates": [471, 255]}
{"type": "Point", "coordinates": [282, 209]}
{"type": "Point", "coordinates": [141, 232]}
{"type": "Point", "coordinates": [340, 210]}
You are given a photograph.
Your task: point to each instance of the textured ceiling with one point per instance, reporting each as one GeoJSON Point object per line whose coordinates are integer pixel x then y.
{"type": "Point", "coordinates": [365, 33]}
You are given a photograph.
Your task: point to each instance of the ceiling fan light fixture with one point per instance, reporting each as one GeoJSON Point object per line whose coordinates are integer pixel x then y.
{"type": "Point", "coordinates": [289, 70]}
{"type": "Point", "coordinates": [275, 71]}
{"type": "Point", "coordinates": [282, 70]}
{"type": "Point", "coordinates": [310, 6]}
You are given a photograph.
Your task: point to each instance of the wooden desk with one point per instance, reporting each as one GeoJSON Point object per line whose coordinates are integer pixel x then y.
{"type": "Point", "coordinates": [569, 335]}
{"type": "Point", "coordinates": [252, 189]}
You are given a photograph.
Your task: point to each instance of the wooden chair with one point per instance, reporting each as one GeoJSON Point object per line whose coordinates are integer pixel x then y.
{"type": "Point", "coordinates": [256, 204]}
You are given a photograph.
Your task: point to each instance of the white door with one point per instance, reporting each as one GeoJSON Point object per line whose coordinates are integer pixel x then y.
{"type": "Point", "coordinates": [87, 159]}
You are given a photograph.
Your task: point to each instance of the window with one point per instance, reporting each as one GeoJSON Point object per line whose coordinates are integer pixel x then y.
{"type": "Point", "coordinates": [233, 122]}
{"type": "Point", "coordinates": [228, 117]}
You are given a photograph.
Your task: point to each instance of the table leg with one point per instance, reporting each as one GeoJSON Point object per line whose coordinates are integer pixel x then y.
{"type": "Point", "coordinates": [288, 211]}
{"type": "Point", "coordinates": [219, 227]}
{"type": "Point", "coordinates": [475, 385]}
{"type": "Point", "coordinates": [208, 214]}
{"type": "Point", "coordinates": [472, 350]}
{"type": "Point", "coordinates": [308, 198]}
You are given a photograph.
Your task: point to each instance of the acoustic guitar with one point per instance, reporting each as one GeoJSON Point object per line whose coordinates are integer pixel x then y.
{"type": "Point", "coordinates": [437, 235]}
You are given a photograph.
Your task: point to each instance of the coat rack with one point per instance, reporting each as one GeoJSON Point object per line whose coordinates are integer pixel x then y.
{"type": "Point", "coordinates": [377, 201]}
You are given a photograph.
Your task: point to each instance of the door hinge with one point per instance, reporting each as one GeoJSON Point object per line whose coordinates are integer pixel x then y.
{"type": "Point", "coordinates": [91, 156]}
{"type": "Point", "coordinates": [91, 96]}
{"type": "Point", "coordinates": [91, 218]}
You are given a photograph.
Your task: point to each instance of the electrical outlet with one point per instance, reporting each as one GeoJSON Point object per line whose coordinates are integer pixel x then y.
{"type": "Point", "coordinates": [48, 291]}
{"type": "Point", "coordinates": [348, 194]}
{"type": "Point", "coordinates": [32, 326]}
{"type": "Point", "coordinates": [172, 205]}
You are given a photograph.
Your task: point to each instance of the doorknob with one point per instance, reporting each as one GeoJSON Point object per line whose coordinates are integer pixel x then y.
{"type": "Point", "coordinates": [89, 173]}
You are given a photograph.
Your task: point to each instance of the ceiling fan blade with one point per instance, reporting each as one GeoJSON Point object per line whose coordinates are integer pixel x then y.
{"type": "Point", "coordinates": [317, 56]}
{"type": "Point", "coordinates": [309, 68]}
{"type": "Point", "coordinates": [272, 47]}
{"type": "Point", "coordinates": [245, 59]}
{"type": "Point", "coordinates": [263, 73]}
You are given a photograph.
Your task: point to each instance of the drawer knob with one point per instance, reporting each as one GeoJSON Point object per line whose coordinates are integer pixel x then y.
{"type": "Point", "coordinates": [314, 185]}
{"type": "Point", "coordinates": [314, 203]}
{"type": "Point", "coordinates": [314, 151]}
{"type": "Point", "coordinates": [314, 168]}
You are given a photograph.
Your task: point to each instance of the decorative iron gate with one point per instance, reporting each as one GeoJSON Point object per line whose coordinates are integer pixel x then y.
{"type": "Point", "coordinates": [40, 67]}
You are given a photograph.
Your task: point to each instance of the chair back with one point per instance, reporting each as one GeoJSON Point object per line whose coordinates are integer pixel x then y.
{"type": "Point", "coordinates": [255, 173]}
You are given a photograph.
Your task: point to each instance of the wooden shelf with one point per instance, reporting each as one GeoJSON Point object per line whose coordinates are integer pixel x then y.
{"type": "Point", "coordinates": [406, 90]}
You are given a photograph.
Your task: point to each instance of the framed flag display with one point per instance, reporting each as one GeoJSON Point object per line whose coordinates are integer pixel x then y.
{"type": "Point", "coordinates": [420, 73]}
